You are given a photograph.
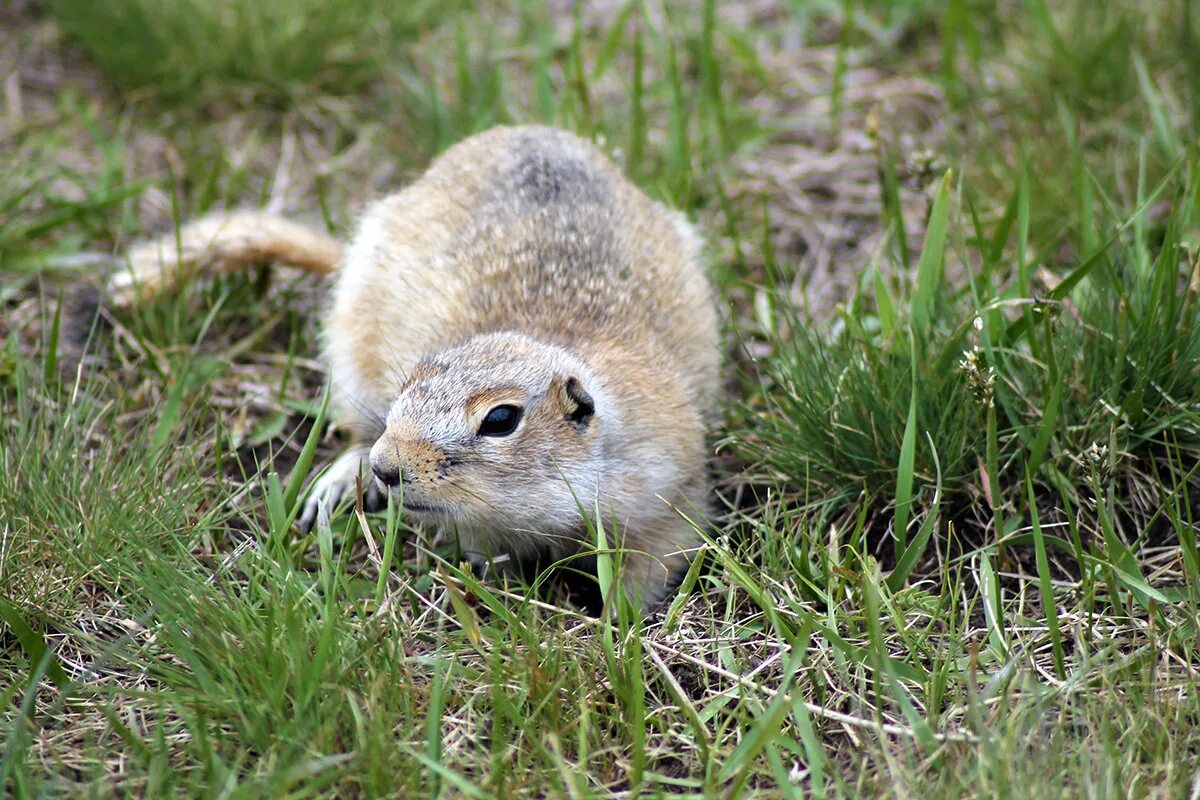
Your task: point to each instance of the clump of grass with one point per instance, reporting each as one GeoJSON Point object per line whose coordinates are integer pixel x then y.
{"type": "Point", "coordinates": [996, 381]}
{"type": "Point", "coordinates": [71, 502]}
{"type": "Point", "coordinates": [241, 50]}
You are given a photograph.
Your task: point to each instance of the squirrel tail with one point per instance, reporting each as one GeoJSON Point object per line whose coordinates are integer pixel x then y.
{"type": "Point", "coordinates": [218, 243]}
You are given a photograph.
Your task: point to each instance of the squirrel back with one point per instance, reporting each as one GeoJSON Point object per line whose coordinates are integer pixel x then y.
{"type": "Point", "coordinates": [530, 229]}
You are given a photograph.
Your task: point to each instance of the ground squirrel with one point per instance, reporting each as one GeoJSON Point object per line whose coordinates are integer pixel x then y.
{"type": "Point", "coordinates": [519, 340]}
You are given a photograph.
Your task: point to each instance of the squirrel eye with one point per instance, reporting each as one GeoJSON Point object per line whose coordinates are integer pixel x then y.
{"type": "Point", "coordinates": [500, 421]}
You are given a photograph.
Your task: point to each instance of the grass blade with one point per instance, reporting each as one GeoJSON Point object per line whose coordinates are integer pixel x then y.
{"type": "Point", "coordinates": [904, 470]}
{"type": "Point", "coordinates": [1037, 452]}
{"type": "Point", "coordinates": [907, 560]}
{"type": "Point", "coordinates": [1045, 587]}
{"type": "Point", "coordinates": [929, 269]}
{"type": "Point", "coordinates": [389, 548]}
{"type": "Point", "coordinates": [304, 462]}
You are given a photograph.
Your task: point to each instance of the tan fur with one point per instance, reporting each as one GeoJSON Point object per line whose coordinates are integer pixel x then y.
{"type": "Point", "coordinates": [522, 268]}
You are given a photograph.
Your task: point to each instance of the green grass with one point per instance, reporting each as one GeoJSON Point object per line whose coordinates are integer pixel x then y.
{"type": "Point", "coordinates": [1111, 361]}
{"type": "Point", "coordinates": [237, 51]}
{"type": "Point", "coordinates": [49, 207]}
{"type": "Point", "coordinates": [956, 544]}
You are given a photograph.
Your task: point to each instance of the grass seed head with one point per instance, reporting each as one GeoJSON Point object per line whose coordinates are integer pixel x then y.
{"type": "Point", "coordinates": [1095, 457]}
{"type": "Point", "coordinates": [981, 379]}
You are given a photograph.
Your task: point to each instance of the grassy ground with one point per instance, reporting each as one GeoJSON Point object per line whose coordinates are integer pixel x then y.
{"type": "Point", "coordinates": [954, 552]}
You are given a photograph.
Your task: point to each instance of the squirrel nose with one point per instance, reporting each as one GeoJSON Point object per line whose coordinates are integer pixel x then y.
{"type": "Point", "coordinates": [388, 474]}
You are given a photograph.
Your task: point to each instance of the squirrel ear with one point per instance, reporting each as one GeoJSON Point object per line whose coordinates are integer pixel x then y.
{"type": "Point", "coordinates": [577, 405]}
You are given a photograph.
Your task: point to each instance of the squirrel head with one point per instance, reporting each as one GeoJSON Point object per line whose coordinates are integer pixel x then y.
{"type": "Point", "coordinates": [502, 431]}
